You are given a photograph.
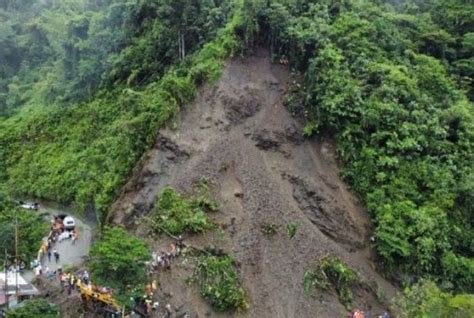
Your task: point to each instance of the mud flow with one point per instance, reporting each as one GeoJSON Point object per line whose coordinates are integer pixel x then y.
{"type": "Point", "coordinates": [239, 136]}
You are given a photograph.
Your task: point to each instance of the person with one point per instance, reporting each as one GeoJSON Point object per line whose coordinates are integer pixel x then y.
{"type": "Point", "coordinates": [163, 259]}
{"type": "Point", "coordinates": [68, 288]}
{"type": "Point", "coordinates": [357, 313]}
{"type": "Point", "coordinates": [148, 306]}
{"type": "Point", "coordinates": [173, 250]}
{"type": "Point", "coordinates": [39, 270]}
{"type": "Point", "coordinates": [167, 311]}
{"type": "Point", "coordinates": [179, 245]}
{"type": "Point", "coordinates": [85, 278]}
{"type": "Point", "coordinates": [78, 283]}
{"type": "Point", "coordinates": [73, 237]}
{"type": "Point", "coordinates": [49, 256]}
{"type": "Point", "coordinates": [179, 241]}
{"type": "Point", "coordinates": [56, 256]}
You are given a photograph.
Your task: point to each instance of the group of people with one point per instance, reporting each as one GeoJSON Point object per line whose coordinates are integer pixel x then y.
{"type": "Point", "coordinates": [18, 267]}
{"type": "Point", "coordinates": [59, 233]}
{"type": "Point", "coordinates": [357, 313]}
{"type": "Point", "coordinates": [163, 259]}
{"type": "Point", "coordinates": [53, 253]}
{"type": "Point", "coordinates": [70, 282]}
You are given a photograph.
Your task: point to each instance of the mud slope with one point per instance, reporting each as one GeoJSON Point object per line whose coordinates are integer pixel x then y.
{"type": "Point", "coordinates": [238, 135]}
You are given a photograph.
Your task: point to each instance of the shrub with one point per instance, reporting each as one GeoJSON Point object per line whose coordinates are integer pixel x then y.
{"type": "Point", "coordinates": [219, 283]}
{"type": "Point", "coordinates": [291, 229]}
{"type": "Point", "coordinates": [35, 308]}
{"type": "Point", "coordinates": [117, 259]}
{"type": "Point", "coordinates": [176, 214]}
{"type": "Point", "coordinates": [331, 271]}
{"type": "Point", "coordinates": [424, 299]}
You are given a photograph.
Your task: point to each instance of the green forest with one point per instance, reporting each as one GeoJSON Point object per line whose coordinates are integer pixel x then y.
{"type": "Point", "coordinates": [85, 85]}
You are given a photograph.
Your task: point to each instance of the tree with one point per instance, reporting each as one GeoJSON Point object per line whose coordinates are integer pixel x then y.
{"type": "Point", "coordinates": [424, 299]}
{"type": "Point", "coordinates": [117, 260]}
{"type": "Point", "coordinates": [32, 228]}
{"type": "Point", "coordinates": [35, 308]}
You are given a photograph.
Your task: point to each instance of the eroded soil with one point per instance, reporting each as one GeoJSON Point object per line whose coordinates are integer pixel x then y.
{"type": "Point", "coordinates": [239, 136]}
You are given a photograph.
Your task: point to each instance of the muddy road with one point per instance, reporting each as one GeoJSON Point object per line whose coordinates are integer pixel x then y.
{"type": "Point", "coordinates": [239, 136]}
{"type": "Point", "coordinates": [70, 254]}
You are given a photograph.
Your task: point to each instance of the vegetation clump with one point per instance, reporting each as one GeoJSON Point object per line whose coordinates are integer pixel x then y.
{"type": "Point", "coordinates": [83, 153]}
{"type": "Point", "coordinates": [291, 229]}
{"type": "Point", "coordinates": [425, 299]}
{"type": "Point", "coordinates": [33, 229]}
{"type": "Point", "coordinates": [118, 260]}
{"type": "Point", "coordinates": [34, 308]}
{"type": "Point", "coordinates": [332, 272]}
{"type": "Point", "coordinates": [176, 214]}
{"type": "Point", "coordinates": [388, 82]}
{"type": "Point", "coordinates": [219, 283]}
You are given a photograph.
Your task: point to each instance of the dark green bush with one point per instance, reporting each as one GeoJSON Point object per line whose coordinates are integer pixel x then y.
{"type": "Point", "coordinates": [40, 308]}
{"type": "Point", "coordinates": [118, 260]}
{"type": "Point", "coordinates": [176, 214]}
{"type": "Point", "coordinates": [219, 283]}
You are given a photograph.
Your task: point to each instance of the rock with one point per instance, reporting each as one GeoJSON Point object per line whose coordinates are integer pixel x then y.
{"type": "Point", "coordinates": [264, 141]}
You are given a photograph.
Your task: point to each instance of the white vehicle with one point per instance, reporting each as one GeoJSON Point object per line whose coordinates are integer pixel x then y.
{"type": "Point", "coordinates": [69, 223]}
{"type": "Point", "coordinates": [30, 206]}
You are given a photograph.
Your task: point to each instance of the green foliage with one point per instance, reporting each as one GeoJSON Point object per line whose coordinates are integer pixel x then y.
{"type": "Point", "coordinates": [291, 229]}
{"type": "Point", "coordinates": [34, 308]}
{"type": "Point", "coordinates": [219, 283]}
{"type": "Point", "coordinates": [117, 260]}
{"type": "Point", "coordinates": [32, 228]}
{"type": "Point", "coordinates": [177, 214]}
{"type": "Point", "coordinates": [63, 52]}
{"type": "Point", "coordinates": [332, 272]}
{"type": "Point", "coordinates": [204, 199]}
{"type": "Point", "coordinates": [83, 153]}
{"type": "Point", "coordinates": [424, 299]}
{"type": "Point", "coordinates": [379, 80]}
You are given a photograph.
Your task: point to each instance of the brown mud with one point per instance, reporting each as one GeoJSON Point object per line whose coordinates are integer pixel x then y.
{"type": "Point", "coordinates": [239, 136]}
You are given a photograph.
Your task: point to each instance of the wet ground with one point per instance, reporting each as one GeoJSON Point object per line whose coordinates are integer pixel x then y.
{"type": "Point", "coordinates": [69, 254]}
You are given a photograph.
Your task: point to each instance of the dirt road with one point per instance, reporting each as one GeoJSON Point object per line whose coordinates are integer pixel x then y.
{"type": "Point", "coordinates": [240, 137]}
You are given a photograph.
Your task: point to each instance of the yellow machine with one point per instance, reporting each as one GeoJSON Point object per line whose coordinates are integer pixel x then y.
{"type": "Point", "coordinates": [98, 297]}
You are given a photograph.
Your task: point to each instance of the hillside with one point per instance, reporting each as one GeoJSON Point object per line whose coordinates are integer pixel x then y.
{"type": "Point", "coordinates": [239, 137]}
{"type": "Point", "coordinates": [317, 156]}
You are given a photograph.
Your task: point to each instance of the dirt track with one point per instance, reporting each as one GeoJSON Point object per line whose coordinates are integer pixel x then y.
{"type": "Point", "coordinates": [239, 136]}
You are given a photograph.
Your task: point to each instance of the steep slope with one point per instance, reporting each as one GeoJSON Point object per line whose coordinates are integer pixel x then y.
{"type": "Point", "coordinates": [239, 136]}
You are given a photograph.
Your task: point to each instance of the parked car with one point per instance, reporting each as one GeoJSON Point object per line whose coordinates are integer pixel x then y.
{"type": "Point", "coordinates": [30, 206]}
